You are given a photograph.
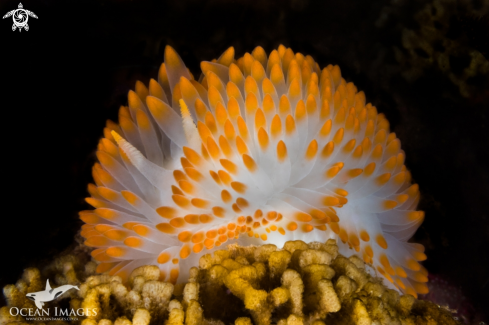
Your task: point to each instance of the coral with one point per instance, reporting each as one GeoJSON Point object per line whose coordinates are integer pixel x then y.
{"type": "Point", "coordinates": [299, 284]}
{"type": "Point", "coordinates": [441, 42]}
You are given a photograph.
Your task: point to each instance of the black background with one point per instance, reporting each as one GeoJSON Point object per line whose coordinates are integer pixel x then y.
{"type": "Point", "coordinates": [71, 71]}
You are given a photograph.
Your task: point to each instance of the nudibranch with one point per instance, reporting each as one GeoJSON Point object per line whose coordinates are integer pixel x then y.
{"type": "Point", "coordinates": [258, 150]}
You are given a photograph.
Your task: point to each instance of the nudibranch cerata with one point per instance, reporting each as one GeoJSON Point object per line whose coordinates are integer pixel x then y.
{"type": "Point", "coordinates": [259, 150]}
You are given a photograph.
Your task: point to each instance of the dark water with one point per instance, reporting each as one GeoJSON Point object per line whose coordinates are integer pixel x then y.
{"type": "Point", "coordinates": [71, 71]}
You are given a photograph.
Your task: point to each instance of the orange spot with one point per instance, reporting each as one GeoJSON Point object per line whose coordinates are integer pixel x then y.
{"type": "Point", "coordinates": [413, 265]}
{"type": "Point", "coordinates": [209, 243]}
{"type": "Point", "coordinates": [184, 236]}
{"type": "Point", "coordinates": [215, 177]}
{"type": "Point", "coordinates": [192, 156]}
{"type": "Point", "coordinates": [272, 215]}
{"type": "Point", "coordinates": [96, 241]}
{"type": "Point", "coordinates": [302, 217]}
{"type": "Point", "coordinates": [249, 163]}
{"type": "Point", "coordinates": [241, 146]}
{"type": "Point", "coordinates": [115, 251]}
{"type": "Point", "coordinates": [236, 208]}
{"type": "Point", "coordinates": [341, 192]}
{"type": "Point", "coordinates": [221, 114]}
{"type": "Point", "coordinates": [187, 187]}
{"type": "Point", "coordinates": [420, 277]}
{"type": "Point", "coordinates": [292, 226]}
{"type": "Point", "coordinates": [251, 102]}
{"type": "Point", "coordinates": [369, 169]}
{"type": "Point", "coordinates": [176, 190]}
{"type": "Point", "coordinates": [166, 228]}
{"type": "Point", "coordinates": [335, 227]}
{"type": "Point", "coordinates": [205, 218]}
{"type": "Point", "coordinates": [284, 105]}
{"type": "Point", "coordinates": [421, 288]}
{"type": "Point", "coordinates": [402, 198]}
{"type": "Point", "coordinates": [289, 125]}
{"type": "Point", "coordinates": [364, 236]}
{"type": "Point", "coordinates": [223, 238]}
{"type": "Point", "coordinates": [115, 234]}
{"type": "Point", "coordinates": [381, 241]}
{"type": "Point", "coordinates": [389, 204]}
{"type": "Point", "coordinates": [243, 203]}
{"type": "Point", "coordinates": [134, 242]}
{"type": "Point", "coordinates": [130, 197]}
{"type": "Point", "coordinates": [185, 252]}
{"type": "Point", "coordinates": [369, 251]}
{"type": "Point", "coordinates": [181, 201]}
{"type": "Point", "coordinates": [419, 256]}
{"type": "Point", "coordinates": [260, 120]}
{"type": "Point", "coordinates": [192, 219]}
{"type": "Point", "coordinates": [263, 138]}
{"type": "Point", "coordinates": [185, 163]}
{"type": "Point", "coordinates": [204, 131]}
{"type": "Point", "coordinates": [354, 240]}
{"type": "Point", "coordinates": [300, 109]}
{"type": "Point", "coordinates": [281, 231]}
{"type": "Point", "coordinates": [198, 248]}
{"type": "Point", "coordinates": [225, 147]}
{"type": "Point", "coordinates": [198, 237]}
{"type": "Point", "coordinates": [382, 179]}
{"type": "Point", "coordinates": [307, 228]}
{"type": "Point", "coordinates": [105, 267]}
{"type": "Point", "coordinates": [276, 127]}
{"type": "Point", "coordinates": [224, 177]}
{"type": "Point", "coordinates": [352, 173]}
{"type": "Point", "coordinates": [211, 234]}
{"type": "Point", "coordinates": [312, 149]}
{"type": "Point", "coordinates": [400, 272]}
{"type": "Point", "coordinates": [328, 149]}
{"type": "Point", "coordinates": [229, 130]}
{"type": "Point", "coordinates": [239, 187]}
{"type": "Point", "coordinates": [243, 129]}
{"type": "Point", "coordinates": [400, 284]}
{"type": "Point", "coordinates": [177, 222]}
{"type": "Point", "coordinates": [281, 151]}
{"type": "Point", "coordinates": [338, 137]}
{"type": "Point", "coordinates": [226, 196]}
{"type": "Point", "coordinates": [264, 237]}
{"type": "Point", "coordinates": [229, 166]}
{"type": "Point", "coordinates": [194, 174]}
{"type": "Point", "coordinates": [173, 276]}
{"type": "Point", "coordinates": [218, 212]}
{"type": "Point", "coordinates": [200, 203]}
{"type": "Point", "coordinates": [343, 235]}
{"type": "Point", "coordinates": [107, 193]}
{"type": "Point", "coordinates": [331, 201]}
{"type": "Point", "coordinates": [213, 148]}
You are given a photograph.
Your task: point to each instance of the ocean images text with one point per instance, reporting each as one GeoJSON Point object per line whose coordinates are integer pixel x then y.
{"type": "Point", "coordinates": [58, 312]}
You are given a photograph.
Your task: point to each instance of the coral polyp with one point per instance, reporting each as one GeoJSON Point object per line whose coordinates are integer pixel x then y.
{"type": "Point", "coordinates": [262, 149]}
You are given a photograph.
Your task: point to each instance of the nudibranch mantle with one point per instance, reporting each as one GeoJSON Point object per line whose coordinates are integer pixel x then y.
{"type": "Point", "coordinates": [260, 150]}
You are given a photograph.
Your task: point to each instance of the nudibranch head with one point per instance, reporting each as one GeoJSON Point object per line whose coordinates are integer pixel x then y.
{"type": "Point", "coordinates": [260, 150]}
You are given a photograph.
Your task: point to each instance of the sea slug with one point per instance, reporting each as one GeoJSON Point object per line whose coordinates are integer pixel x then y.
{"type": "Point", "coordinates": [259, 150]}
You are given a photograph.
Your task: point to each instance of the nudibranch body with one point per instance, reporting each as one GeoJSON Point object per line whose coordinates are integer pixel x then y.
{"type": "Point", "coordinates": [260, 150]}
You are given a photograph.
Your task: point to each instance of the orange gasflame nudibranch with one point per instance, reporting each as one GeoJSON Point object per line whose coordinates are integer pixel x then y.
{"type": "Point", "coordinates": [260, 150]}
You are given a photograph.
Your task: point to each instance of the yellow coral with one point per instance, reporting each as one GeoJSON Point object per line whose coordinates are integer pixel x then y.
{"type": "Point", "coordinates": [301, 284]}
